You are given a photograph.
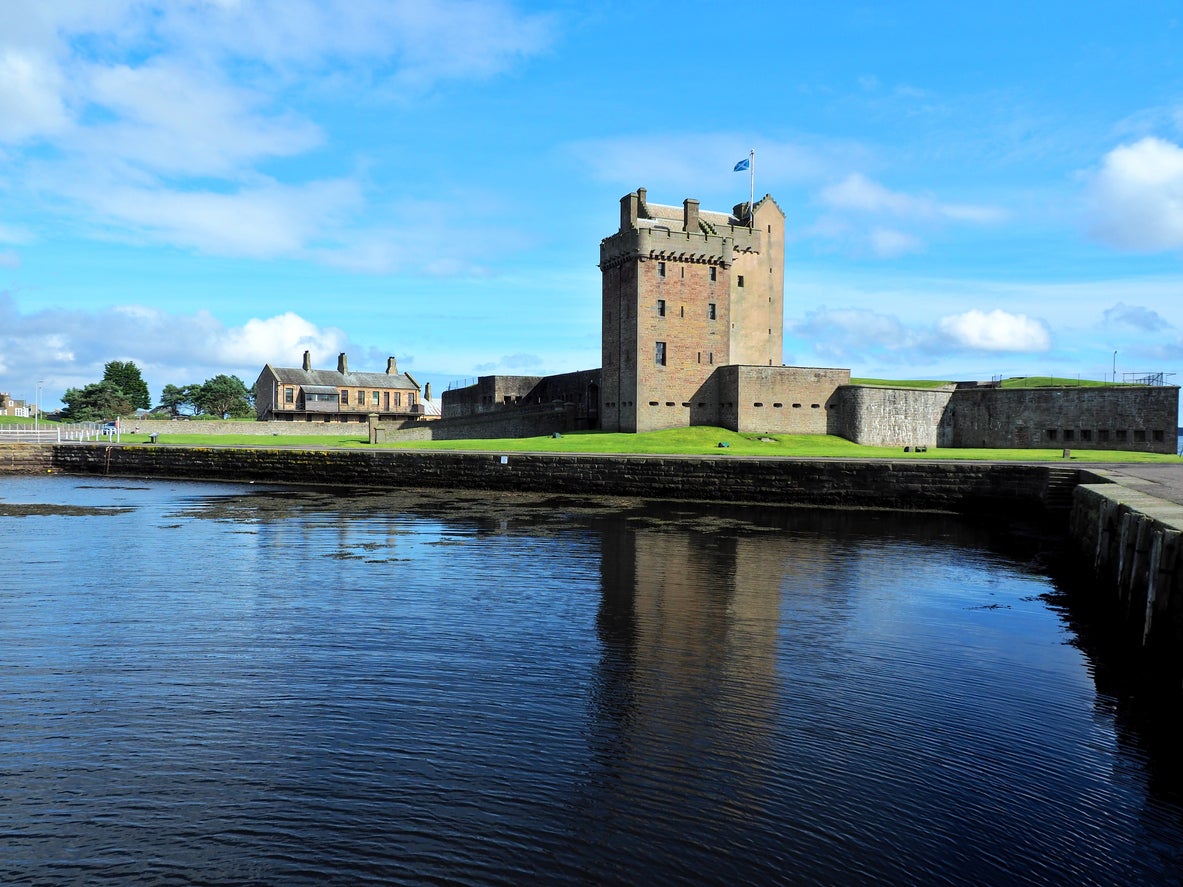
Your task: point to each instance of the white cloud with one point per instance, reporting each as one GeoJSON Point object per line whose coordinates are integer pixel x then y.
{"type": "Point", "coordinates": [1137, 196]}
{"type": "Point", "coordinates": [128, 112]}
{"type": "Point", "coordinates": [887, 243]}
{"type": "Point", "coordinates": [31, 103]}
{"type": "Point", "coordinates": [867, 218]}
{"type": "Point", "coordinates": [262, 221]}
{"type": "Point", "coordinates": [851, 333]}
{"type": "Point", "coordinates": [69, 348]}
{"type": "Point", "coordinates": [996, 330]}
{"type": "Point", "coordinates": [857, 193]}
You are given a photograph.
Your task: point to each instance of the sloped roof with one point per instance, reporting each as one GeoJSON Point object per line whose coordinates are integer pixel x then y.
{"type": "Point", "coordinates": [332, 379]}
{"type": "Point", "coordinates": [658, 211]}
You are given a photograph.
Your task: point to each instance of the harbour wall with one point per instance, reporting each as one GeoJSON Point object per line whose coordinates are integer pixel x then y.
{"type": "Point", "coordinates": [881, 484]}
{"type": "Point", "coordinates": [1130, 544]}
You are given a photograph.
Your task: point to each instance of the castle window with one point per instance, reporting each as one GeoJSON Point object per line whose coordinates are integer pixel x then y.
{"type": "Point", "coordinates": [778, 405]}
{"type": "Point", "coordinates": [711, 357]}
{"type": "Point", "coordinates": [1069, 435]}
{"type": "Point", "coordinates": [1051, 434]}
{"type": "Point", "coordinates": [739, 281]}
{"type": "Point", "coordinates": [1120, 434]}
{"type": "Point", "coordinates": [289, 395]}
{"type": "Point", "coordinates": [1103, 436]}
{"type": "Point", "coordinates": [398, 398]}
{"type": "Point", "coordinates": [661, 307]}
{"type": "Point", "coordinates": [711, 313]}
{"type": "Point", "coordinates": [796, 406]}
{"type": "Point", "coordinates": [714, 273]}
{"type": "Point", "coordinates": [669, 403]}
{"type": "Point", "coordinates": [653, 403]}
{"type": "Point", "coordinates": [757, 404]}
{"type": "Point", "coordinates": [700, 357]}
{"type": "Point", "coordinates": [1140, 435]}
{"type": "Point", "coordinates": [685, 403]}
{"type": "Point", "coordinates": [374, 398]}
{"type": "Point", "coordinates": [1086, 434]}
{"type": "Point", "coordinates": [661, 269]}
{"type": "Point", "coordinates": [815, 406]}
{"type": "Point", "coordinates": [659, 354]}
{"type": "Point", "coordinates": [1158, 436]}
{"type": "Point", "coordinates": [344, 397]}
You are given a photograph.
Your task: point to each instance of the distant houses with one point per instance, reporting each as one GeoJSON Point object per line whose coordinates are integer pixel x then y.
{"type": "Point", "coordinates": [11, 406]}
{"type": "Point", "coordinates": [304, 394]}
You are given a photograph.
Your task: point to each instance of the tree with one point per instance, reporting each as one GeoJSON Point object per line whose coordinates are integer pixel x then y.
{"type": "Point", "coordinates": [176, 398]}
{"type": "Point", "coordinates": [125, 376]}
{"type": "Point", "coordinates": [96, 402]}
{"type": "Point", "coordinates": [225, 395]}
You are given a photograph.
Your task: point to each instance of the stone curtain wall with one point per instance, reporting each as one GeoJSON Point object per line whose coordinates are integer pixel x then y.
{"type": "Point", "coordinates": [520, 421]}
{"type": "Point", "coordinates": [1104, 418]}
{"type": "Point", "coordinates": [780, 400]}
{"type": "Point", "coordinates": [891, 417]}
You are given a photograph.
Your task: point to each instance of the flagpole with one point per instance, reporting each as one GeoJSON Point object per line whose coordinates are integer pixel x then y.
{"type": "Point", "coordinates": [752, 193]}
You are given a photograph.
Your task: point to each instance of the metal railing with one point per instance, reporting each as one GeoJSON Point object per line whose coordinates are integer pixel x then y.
{"type": "Point", "coordinates": [36, 433]}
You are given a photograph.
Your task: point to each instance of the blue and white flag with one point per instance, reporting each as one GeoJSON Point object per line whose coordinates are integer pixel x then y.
{"type": "Point", "coordinates": [741, 166]}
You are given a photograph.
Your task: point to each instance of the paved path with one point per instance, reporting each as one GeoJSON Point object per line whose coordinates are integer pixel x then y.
{"type": "Point", "coordinates": [1163, 481]}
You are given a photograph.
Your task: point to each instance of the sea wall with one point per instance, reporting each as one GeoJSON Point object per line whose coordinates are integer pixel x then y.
{"type": "Point", "coordinates": [934, 486]}
{"type": "Point", "coordinates": [1131, 544]}
{"type": "Point", "coordinates": [25, 458]}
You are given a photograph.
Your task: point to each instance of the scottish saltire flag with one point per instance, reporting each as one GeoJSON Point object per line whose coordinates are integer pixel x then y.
{"type": "Point", "coordinates": [741, 166]}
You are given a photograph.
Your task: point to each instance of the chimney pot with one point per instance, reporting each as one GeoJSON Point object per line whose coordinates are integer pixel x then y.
{"type": "Point", "coordinates": [307, 361]}
{"type": "Point", "coordinates": [342, 364]}
{"type": "Point", "coordinates": [391, 367]}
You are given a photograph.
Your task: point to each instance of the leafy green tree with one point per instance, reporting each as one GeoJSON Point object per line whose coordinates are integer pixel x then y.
{"type": "Point", "coordinates": [97, 402]}
{"type": "Point", "coordinates": [177, 398]}
{"type": "Point", "coordinates": [226, 395]}
{"type": "Point", "coordinates": [125, 376]}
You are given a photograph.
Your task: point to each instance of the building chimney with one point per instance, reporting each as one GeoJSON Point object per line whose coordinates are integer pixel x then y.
{"type": "Point", "coordinates": [391, 367]}
{"type": "Point", "coordinates": [342, 364]}
{"type": "Point", "coordinates": [427, 391]}
{"type": "Point", "coordinates": [628, 211]}
{"type": "Point", "coordinates": [690, 214]}
{"type": "Point", "coordinates": [307, 361]}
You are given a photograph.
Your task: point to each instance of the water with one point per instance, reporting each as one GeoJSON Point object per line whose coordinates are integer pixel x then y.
{"type": "Point", "coordinates": [216, 684]}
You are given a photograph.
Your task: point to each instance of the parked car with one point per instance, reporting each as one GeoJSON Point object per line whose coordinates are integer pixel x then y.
{"type": "Point", "coordinates": [109, 429]}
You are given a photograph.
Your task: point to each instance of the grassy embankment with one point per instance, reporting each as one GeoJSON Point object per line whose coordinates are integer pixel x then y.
{"type": "Point", "coordinates": [675, 441]}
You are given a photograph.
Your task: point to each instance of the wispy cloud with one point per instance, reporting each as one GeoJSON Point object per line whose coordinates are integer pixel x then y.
{"type": "Point", "coordinates": [865, 217]}
{"type": "Point", "coordinates": [164, 123]}
{"type": "Point", "coordinates": [1136, 317]}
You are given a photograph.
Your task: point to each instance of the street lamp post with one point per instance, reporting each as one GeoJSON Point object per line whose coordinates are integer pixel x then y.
{"type": "Point", "coordinates": [1114, 367]}
{"type": "Point", "coordinates": [37, 407]}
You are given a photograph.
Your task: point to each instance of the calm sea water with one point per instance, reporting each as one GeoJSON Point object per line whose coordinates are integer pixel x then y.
{"type": "Point", "coordinates": [217, 684]}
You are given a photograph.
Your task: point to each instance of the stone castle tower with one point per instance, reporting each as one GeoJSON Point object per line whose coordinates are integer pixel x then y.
{"type": "Point", "coordinates": [686, 291]}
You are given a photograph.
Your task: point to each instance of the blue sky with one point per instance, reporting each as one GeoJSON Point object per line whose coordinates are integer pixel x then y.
{"type": "Point", "coordinates": [971, 190]}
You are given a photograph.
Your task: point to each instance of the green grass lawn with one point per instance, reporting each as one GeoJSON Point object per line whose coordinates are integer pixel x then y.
{"type": "Point", "coordinates": [674, 441]}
